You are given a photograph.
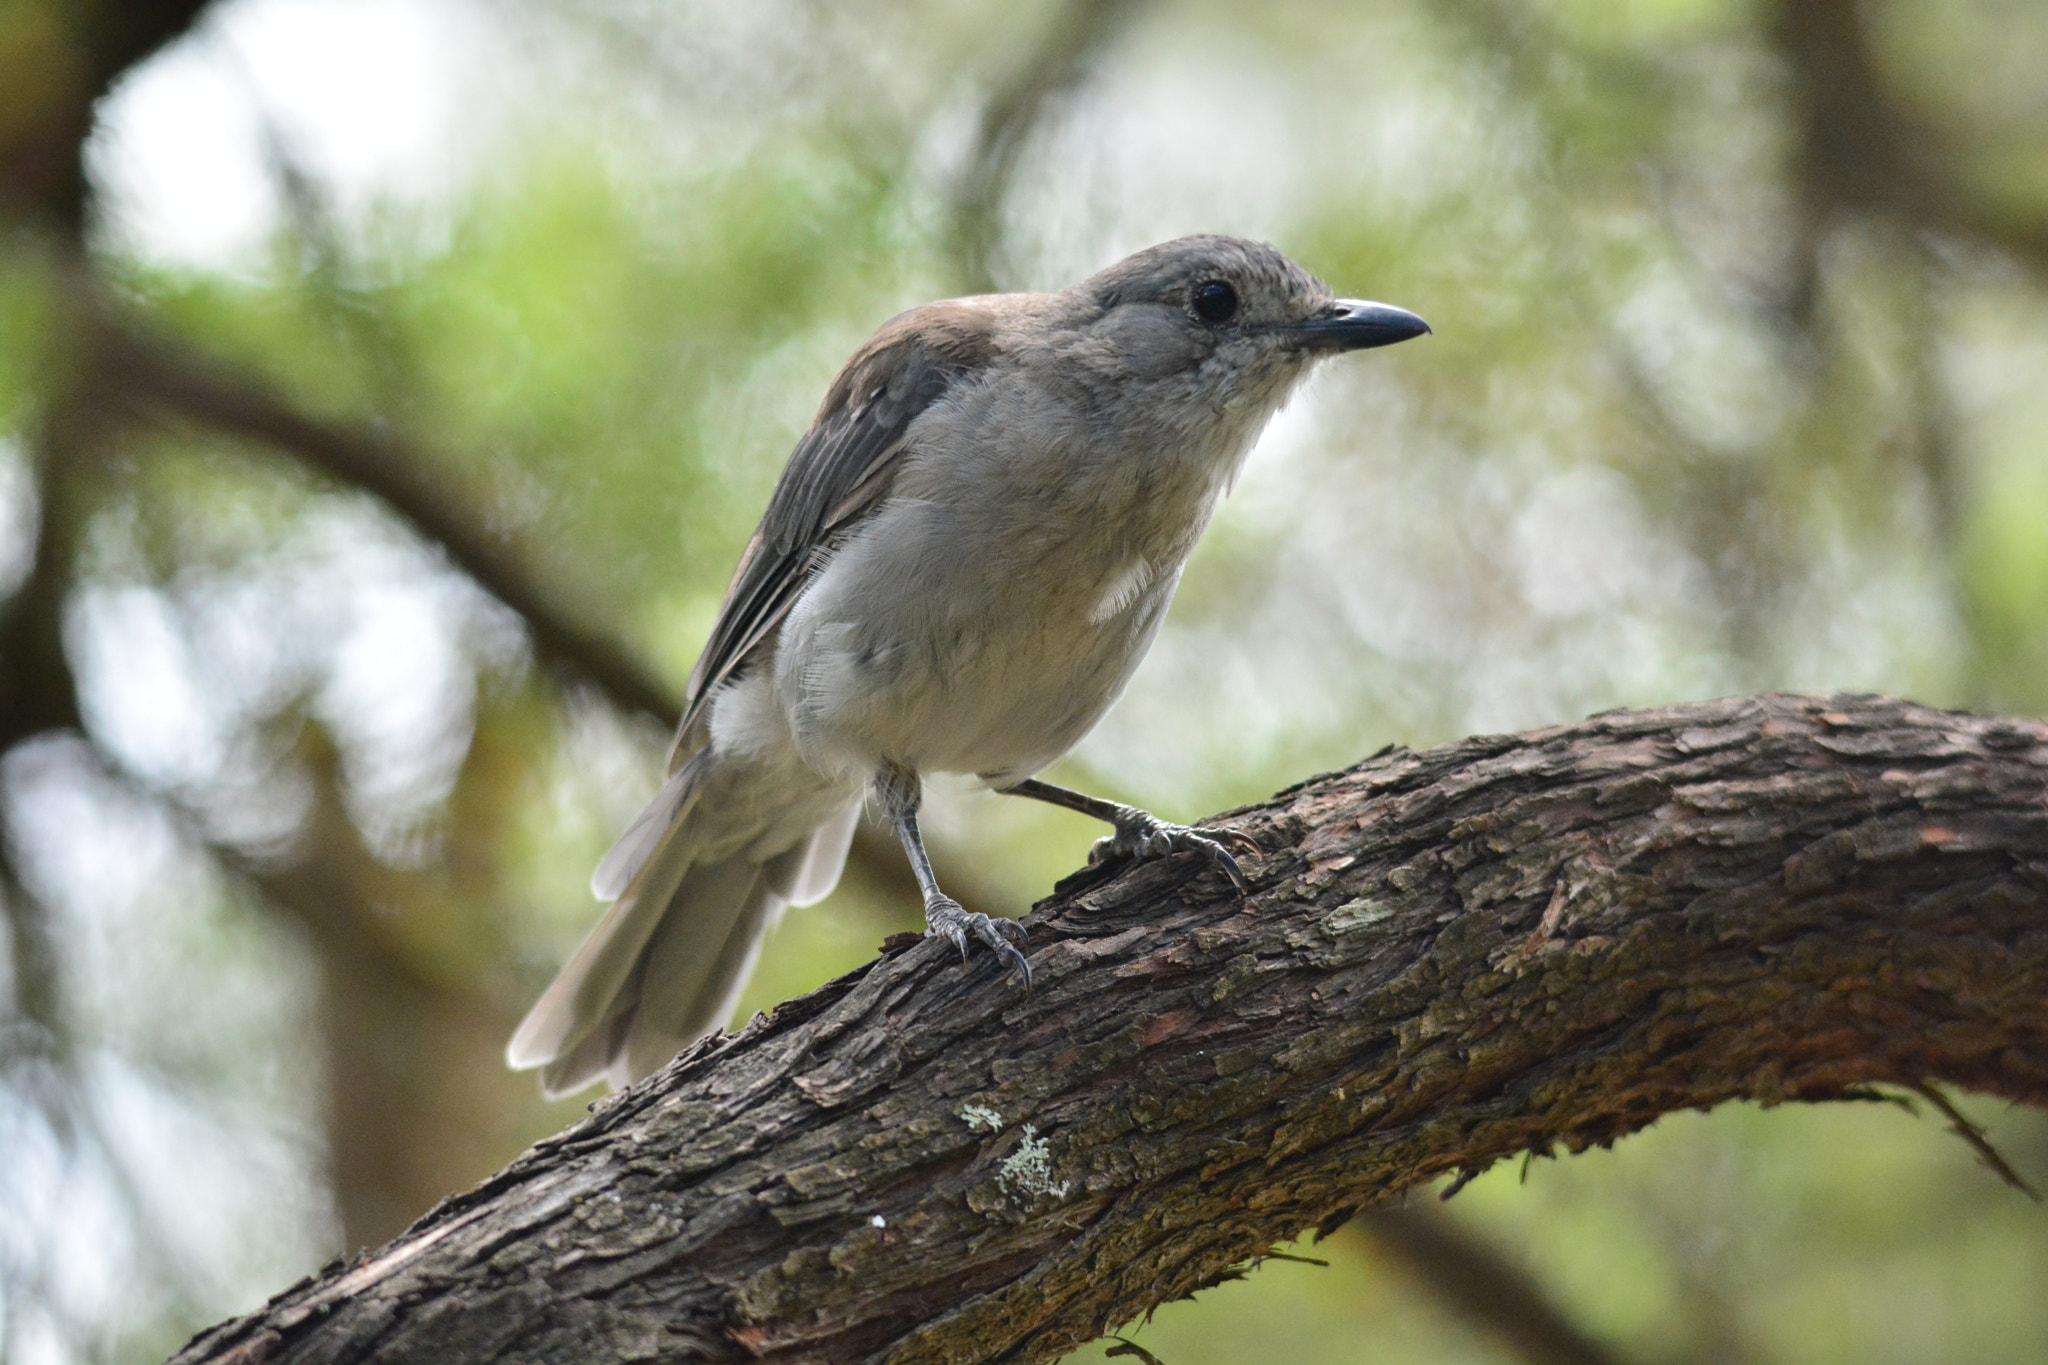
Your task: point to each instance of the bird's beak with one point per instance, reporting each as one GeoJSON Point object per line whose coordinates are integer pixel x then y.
{"type": "Point", "coordinates": [1355, 325]}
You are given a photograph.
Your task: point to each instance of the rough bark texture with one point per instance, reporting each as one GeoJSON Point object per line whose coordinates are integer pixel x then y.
{"type": "Point", "coordinates": [1448, 957]}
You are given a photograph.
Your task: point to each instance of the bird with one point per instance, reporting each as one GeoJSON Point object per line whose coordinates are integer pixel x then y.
{"type": "Point", "coordinates": [963, 562]}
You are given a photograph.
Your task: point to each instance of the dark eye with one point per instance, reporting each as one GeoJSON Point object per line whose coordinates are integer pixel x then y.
{"type": "Point", "coordinates": [1215, 301]}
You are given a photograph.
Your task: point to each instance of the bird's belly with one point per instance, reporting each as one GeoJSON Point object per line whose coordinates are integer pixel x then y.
{"type": "Point", "coordinates": [996, 678]}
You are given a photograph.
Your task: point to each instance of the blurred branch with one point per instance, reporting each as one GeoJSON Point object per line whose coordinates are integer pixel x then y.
{"type": "Point", "coordinates": [1860, 148]}
{"type": "Point", "coordinates": [1072, 39]}
{"type": "Point", "coordinates": [1447, 958]}
{"type": "Point", "coordinates": [1480, 1285]}
{"type": "Point", "coordinates": [142, 367]}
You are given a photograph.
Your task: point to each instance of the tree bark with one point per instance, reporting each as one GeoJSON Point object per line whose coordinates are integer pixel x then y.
{"type": "Point", "coordinates": [1503, 945]}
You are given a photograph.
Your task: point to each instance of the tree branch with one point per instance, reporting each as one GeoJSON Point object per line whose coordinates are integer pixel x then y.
{"type": "Point", "coordinates": [1503, 945]}
{"type": "Point", "coordinates": [1480, 1285]}
{"type": "Point", "coordinates": [141, 368]}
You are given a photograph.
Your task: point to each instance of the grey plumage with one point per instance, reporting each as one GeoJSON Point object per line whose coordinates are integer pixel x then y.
{"type": "Point", "coordinates": [966, 557]}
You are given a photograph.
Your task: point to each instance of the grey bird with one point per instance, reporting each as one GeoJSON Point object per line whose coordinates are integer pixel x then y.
{"type": "Point", "coordinates": [966, 557]}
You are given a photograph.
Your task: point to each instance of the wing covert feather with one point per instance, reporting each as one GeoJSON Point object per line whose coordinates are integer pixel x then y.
{"type": "Point", "coordinates": [838, 472]}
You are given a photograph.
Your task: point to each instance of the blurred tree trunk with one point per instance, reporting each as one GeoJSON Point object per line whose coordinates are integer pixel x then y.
{"type": "Point", "coordinates": [418, 1100]}
{"type": "Point", "coordinates": [62, 55]}
{"type": "Point", "coordinates": [1500, 946]}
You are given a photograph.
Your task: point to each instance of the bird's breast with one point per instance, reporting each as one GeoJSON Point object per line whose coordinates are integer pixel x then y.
{"type": "Point", "coordinates": [995, 603]}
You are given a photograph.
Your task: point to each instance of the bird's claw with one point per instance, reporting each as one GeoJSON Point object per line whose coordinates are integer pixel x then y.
{"type": "Point", "coordinates": [1143, 835]}
{"type": "Point", "coordinates": [947, 918]}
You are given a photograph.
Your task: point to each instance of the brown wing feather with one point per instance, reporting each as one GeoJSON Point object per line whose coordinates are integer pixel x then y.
{"type": "Point", "coordinates": [839, 471]}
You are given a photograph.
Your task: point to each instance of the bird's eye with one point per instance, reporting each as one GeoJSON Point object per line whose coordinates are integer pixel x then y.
{"type": "Point", "coordinates": [1215, 301]}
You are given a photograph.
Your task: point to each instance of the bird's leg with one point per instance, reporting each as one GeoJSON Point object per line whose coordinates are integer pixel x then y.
{"type": "Point", "coordinates": [1141, 834]}
{"type": "Point", "coordinates": [899, 793]}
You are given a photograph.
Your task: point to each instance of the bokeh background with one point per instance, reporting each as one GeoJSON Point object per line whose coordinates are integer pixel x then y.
{"type": "Point", "coordinates": [388, 386]}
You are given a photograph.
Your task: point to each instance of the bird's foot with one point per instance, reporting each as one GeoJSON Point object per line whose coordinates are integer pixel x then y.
{"type": "Point", "coordinates": [943, 915]}
{"type": "Point", "coordinates": [1140, 834]}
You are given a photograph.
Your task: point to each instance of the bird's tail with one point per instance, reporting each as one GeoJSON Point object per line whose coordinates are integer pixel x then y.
{"type": "Point", "coordinates": [666, 964]}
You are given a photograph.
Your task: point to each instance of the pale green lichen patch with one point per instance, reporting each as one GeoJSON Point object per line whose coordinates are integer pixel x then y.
{"type": "Point", "coordinates": [1027, 1172]}
{"type": "Point", "coordinates": [981, 1118]}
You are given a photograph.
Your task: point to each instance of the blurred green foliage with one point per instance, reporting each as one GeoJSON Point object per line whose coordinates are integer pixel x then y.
{"type": "Point", "coordinates": [1706, 411]}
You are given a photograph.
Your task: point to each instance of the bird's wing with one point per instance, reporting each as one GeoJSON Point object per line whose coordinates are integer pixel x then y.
{"type": "Point", "coordinates": [835, 477]}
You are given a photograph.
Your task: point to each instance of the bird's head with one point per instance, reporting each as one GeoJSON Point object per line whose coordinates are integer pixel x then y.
{"type": "Point", "coordinates": [1221, 323]}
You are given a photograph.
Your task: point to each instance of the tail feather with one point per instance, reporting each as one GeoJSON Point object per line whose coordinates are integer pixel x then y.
{"type": "Point", "coordinates": [807, 873]}
{"type": "Point", "coordinates": [696, 965]}
{"type": "Point", "coordinates": [588, 990]}
{"type": "Point", "coordinates": [691, 981]}
{"type": "Point", "coordinates": [631, 851]}
{"type": "Point", "coordinates": [666, 963]}
{"type": "Point", "coordinates": [588, 1061]}
{"type": "Point", "coordinates": [647, 982]}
